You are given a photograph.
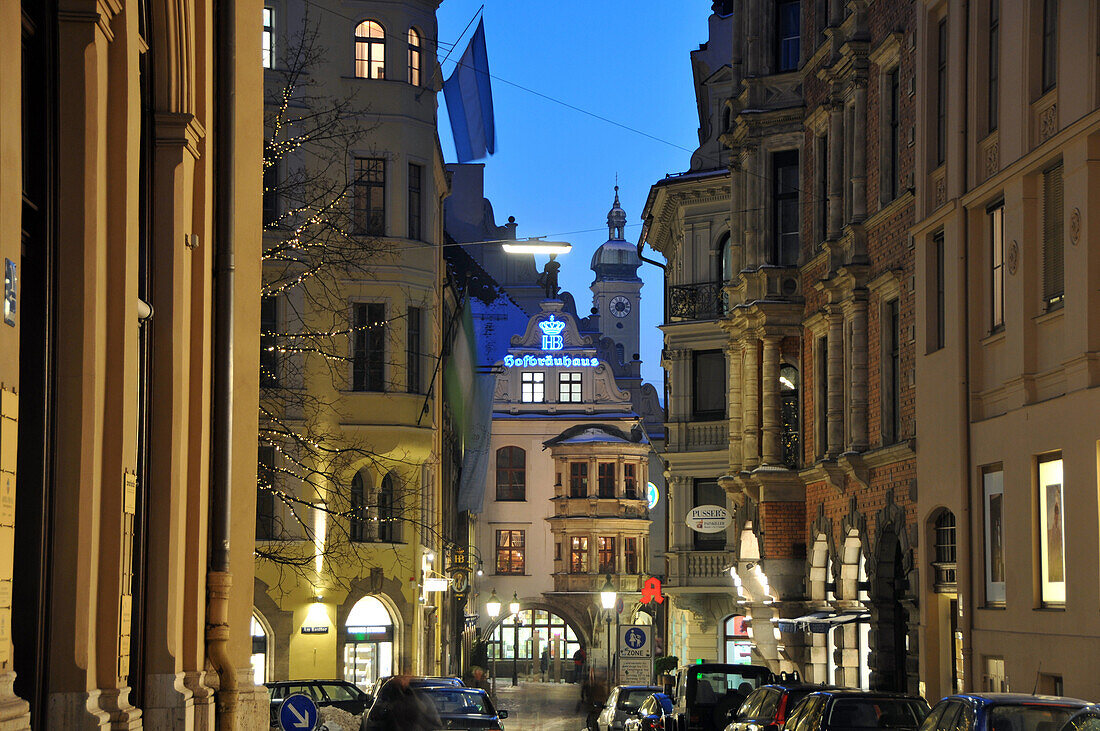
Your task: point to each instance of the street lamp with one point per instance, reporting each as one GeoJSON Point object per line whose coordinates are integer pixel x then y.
{"type": "Point", "coordinates": [607, 599]}
{"type": "Point", "coordinates": [493, 608]}
{"type": "Point", "coordinates": [513, 607]}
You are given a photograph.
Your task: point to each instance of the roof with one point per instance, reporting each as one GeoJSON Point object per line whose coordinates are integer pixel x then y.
{"type": "Point", "coordinates": [597, 434]}
{"type": "Point", "coordinates": [1010, 699]}
{"type": "Point", "coordinates": [857, 693]}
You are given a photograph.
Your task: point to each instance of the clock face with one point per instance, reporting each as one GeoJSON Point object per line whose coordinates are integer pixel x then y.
{"type": "Point", "coordinates": [620, 306]}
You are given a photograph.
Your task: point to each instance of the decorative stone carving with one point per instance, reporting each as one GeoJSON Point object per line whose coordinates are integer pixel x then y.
{"type": "Point", "coordinates": [1075, 226]}
{"type": "Point", "coordinates": [1012, 258]}
{"type": "Point", "coordinates": [992, 159]}
{"type": "Point", "coordinates": [941, 191]}
{"type": "Point", "coordinates": [1048, 122]}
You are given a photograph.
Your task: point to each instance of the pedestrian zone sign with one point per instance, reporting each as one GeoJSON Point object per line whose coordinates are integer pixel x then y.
{"type": "Point", "coordinates": [635, 654]}
{"type": "Point", "coordinates": [298, 713]}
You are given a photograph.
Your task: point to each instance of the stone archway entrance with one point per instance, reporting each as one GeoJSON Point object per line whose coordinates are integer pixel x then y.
{"type": "Point", "coordinates": [519, 642]}
{"type": "Point", "coordinates": [890, 616]}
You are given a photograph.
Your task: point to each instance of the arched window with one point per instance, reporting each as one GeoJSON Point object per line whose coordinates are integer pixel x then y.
{"type": "Point", "coordinates": [511, 473]}
{"type": "Point", "coordinates": [368, 649]}
{"type": "Point", "coordinates": [788, 406]}
{"type": "Point", "coordinates": [370, 50]}
{"type": "Point", "coordinates": [259, 650]}
{"type": "Point", "coordinates": [725, 251]}
{"type": "Point", "coordinates": [357, 521]}
{"type": "Point", "coordinates": [533, 634]}
{"type": "Point", "coordinates": [414, 56]}
{"type": "Point", "coordinates": [945, 553]}
{"type": "Point", "coordinates": [389, 526]}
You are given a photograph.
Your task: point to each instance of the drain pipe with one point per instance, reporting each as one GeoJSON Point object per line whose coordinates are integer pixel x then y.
{"type": "Point", "coordinates": [219, 579]}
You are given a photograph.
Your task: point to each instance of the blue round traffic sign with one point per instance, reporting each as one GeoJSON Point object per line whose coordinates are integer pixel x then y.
{"type": "Point", "coordinates": [298, 713]}
{"type": "Point", "coordinates": [635, 638]}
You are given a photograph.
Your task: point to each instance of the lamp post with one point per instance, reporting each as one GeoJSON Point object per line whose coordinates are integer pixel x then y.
{"type": "Point", "coordinates": [513, 607]}
{"type": "Point", "coordinates": [493, 608]}
{"type": "Point", "coordinates": [607, 599]}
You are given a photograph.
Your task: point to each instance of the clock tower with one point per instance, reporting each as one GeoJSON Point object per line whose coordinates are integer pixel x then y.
{"type": "Point", "coordinates": [616, 288]}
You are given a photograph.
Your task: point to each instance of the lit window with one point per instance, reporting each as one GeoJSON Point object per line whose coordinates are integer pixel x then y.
{"type": "Point", "coordinates": [578, 555]}
{"type": "Point", "coordinates": [370, 50]}
{"type": "Point", "coordinates": [607, 554]}
{"type": "Point", "coordinates": [414, 57]}
{"type": "Point", "coordinates": [267, 41]}
{"type": "Point", "coordinates": [1052, 530]}
{"type": "Point", "coordinates": [533, 387]}
{"type": "Point", "coordinates": [630, 555]}
{"type": "Point", "coordinates": [630, 480]}
{"type": "Point", "coordinates": [993, 508]}
{"type": "Point", "coordinates": [510, 550]}
{"type": "Point", "coordinates": [569, 388]}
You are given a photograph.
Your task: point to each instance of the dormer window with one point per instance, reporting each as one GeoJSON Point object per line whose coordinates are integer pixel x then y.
{"type": "Point", "coordinates": [370, 50]}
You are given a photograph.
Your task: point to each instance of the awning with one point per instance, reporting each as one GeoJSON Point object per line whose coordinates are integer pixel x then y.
{"type": "Point", "coordinates": [821, 622]}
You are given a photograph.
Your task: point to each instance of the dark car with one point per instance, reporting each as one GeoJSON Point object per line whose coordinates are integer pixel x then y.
{"type": "Point", "coordinates": [1002, 712]}
{"type": "Point", "coordinates": [336, 693]}
{"type": "Point", "coordinates": [705, 694]}
{"type": "Point", "coordinates": [655, 714]}
{"type": "Point", "coordinates": [393, 693]}
{"type": "Point", "coordinates": [854, 710]}
{"type": "Point", "coordinates": [1087, 719]}
{"type": "Point", "coordinates": [622, 703]}
{"type": "Point", "coordinates": [767, 707]}
{"type": "Point", "coordinates": [464, 708]}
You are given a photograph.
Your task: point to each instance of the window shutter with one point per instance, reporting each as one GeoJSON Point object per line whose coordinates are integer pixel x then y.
{"type": "Point", "coordinates": [1053, 238]}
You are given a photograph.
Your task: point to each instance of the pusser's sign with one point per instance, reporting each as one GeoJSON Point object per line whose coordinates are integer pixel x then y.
{"type": "Point", "coordinates": [708, 519]}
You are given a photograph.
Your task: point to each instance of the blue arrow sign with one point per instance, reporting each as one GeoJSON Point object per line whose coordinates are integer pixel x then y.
{"type": "Point", "coordinates": [298, 713]}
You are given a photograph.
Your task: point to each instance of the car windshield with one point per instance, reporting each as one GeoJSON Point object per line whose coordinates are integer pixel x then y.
{"type": "Point", "coordinates": [1029, 717]}
{"type": "Point", "coordinates": [460, 702]}
{"type": "Point", "coordinates": [876, 713]}
{"type": "Point", "coordinates": [712, 686]}
{"type": "Point", "coordinates": [337, 692]}
{"type": "Point", "coordinates": [631, 698]}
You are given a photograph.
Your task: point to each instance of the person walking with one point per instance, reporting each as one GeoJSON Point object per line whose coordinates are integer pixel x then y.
{"type": "Point", "coordinates": [544, 663]}
{"type": "Point", "coordinates": [579, 659]}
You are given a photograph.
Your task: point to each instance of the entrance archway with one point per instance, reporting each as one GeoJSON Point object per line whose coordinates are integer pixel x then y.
{"type": "Point", "coordinates": [261, 646]}
{"type": "Point", "coordinates": [539, 631]}
{"type": "Point", "coordinates": [890, 618]}
{"type": "Point", "coordinates": [368, 648]}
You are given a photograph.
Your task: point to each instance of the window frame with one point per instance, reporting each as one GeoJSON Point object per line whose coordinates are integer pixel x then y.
{"type": "Point", "coordinates": [368, 196]}
{"type": "Point", "coordinates": [267, 528]}
{"type": "Point", "coordinates": [415, 56]}
{"type": "Point", "coordinates": [698, 410]}
{"type": "Point", "coordinates": [995, 215]}
{"type": "Point", "coordinates": [941, 91]}
{"type": "Point", "coordinates": [891, 371]}
{"type": "Point", "coordinates": [606, 480]}
{"type": "Point", "coordinates": [1051, 484]}
{"type": "Point", "coordinates": [370, 50]}
{"type": "Point", "coordinates": [606, 556]}
{"type": "Point", "coordinates": [630, 481]}
{"type": "Point", "coordinates": [514, 491]}
{"type": "Point", "coordinates": [788, 44]}
{"type": "Point", "coordinates": [389, 508]}
{"type": "Point", "coordinates": [993, 516]}
{"type": "Point", "coordinates": [512, 551]}
{"type": "Point", "coordinates": [630, 555]}
{"type": "Point", "coordinates": [1048, 78]}
{"type": "Point", "coordinates": [993, 70]}
{"type": "Point", "coordinates": [414, 349]}
{"type": "Point", "coordinates": [578, 554]}
{"type": "Point", "coordinates": [891, 171]}
{"type": "Point", "coordinates": [937, 317]}
{"type": "Point", "coordinates": [1054, 236]}
{"type": "Point", "coordinates": [783, 254]}
{"type": "Point", "coordinates": [578, 480]}
{"type": "Point", "coordinates": [368, 366]}
{"type": "Point", "coordinates": [358, 502]}
{"type": "Point", "coordinates": [269, 341]}
{"type": "Point", "coordinates": [536, 394]}
{"type": "Point", "coordinates": [570, 387]}
{"type": "Point", "coordinates": [414, 201]}
{"type": "Point", "coordinates": [267, 39]}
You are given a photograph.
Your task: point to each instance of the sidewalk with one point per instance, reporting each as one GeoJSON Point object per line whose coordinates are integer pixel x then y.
{"type": "Point", "coordinates": [540, 706]}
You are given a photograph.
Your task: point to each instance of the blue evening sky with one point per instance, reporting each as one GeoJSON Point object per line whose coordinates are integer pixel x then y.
{"type": "Point", "coordinates": [554, 169]}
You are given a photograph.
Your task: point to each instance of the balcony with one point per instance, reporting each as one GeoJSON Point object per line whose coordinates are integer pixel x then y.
{"type": "Point", "coordinates": [593, 583]}
{"type": "Point", "coordinates": [697, 436]}
{"type": "Point", "coordinates": [686, 302]}
{"type": "Point", "coordinates": [700, 568]}
{"type": "Point", "coordinates": [595, 507]}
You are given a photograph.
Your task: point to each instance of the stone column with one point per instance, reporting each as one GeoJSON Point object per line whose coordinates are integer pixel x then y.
{"type": "Point", "coordinates": [836, 170]}
{"type": "Point", "coordinates": [859, 154]}
{"type": "Point", "coordinates": [858, 408]}
{"type": "Point", "coordinates": [769, 384]}
{"type": "Point", "coordinates": [750, 444]}
{"type": "Point", "coordinates": [734, 372]}
{"type": "Point", "coordinates": [835, 366]}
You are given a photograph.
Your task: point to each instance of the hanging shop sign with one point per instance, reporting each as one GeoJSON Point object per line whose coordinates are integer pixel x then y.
{"type": "Point", "coordinates": [652, 494]}
{"type": "Point", "coordinates": [708, 519]}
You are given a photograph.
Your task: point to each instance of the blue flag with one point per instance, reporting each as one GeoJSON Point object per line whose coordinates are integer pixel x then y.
{"type": "Point", "coordinates": [470, 101]}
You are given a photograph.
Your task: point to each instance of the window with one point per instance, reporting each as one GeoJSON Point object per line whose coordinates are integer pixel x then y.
{"type": "Point", "coordinates": [413, 350]}
{"type": "Point", "coordinates": [630, 480]}
{"type": "Point", "coordinates": [993, 508]}
{"type": "Point", "coordinates": [945, 550]}
{"type": "Point", "coordinates": [937, 318]}
{"type": "Point", "coordinates": [271, 189]}
{"type": "Point", "coordinates": [415, 174]}
{"type": "Point", "coordinates": [708, 492]}
{"type": "Point", "coordinates": [725, 252]}
{"type": "Point", "coordinates": [578, 479]}
{"type": "Point", "coordinates": [511, 473]}
{"type": "Point", "coordinates": [578, 555]}
{"type": "Point", "coordinates": [369, 196]}
{"type": "Point", "coordinates": [941, 93]}
{"type": "Point", "coordinates": [1050, 44]}
{"type": "Point", "coordinates": [891, 373]}
{"type": "Point", "coordinates": [510, 547]}
{"type": "Point", "coordinates": [266, 528]}
{"type": "Point", "coordinates": [370, 50]}
{"type": "Point", "coordinates": [269, 341]}
{"type": "Point", "coordinates": [1052, 565]}
{"type": "Point", "coordinates": [605, 480]}
{"type": "Point", "coordinates": [788, 414]}
{"type": "Point", "coordinates": [569, 388]}
{"type": "Point", "coordinates": [785, 199]}
{"type": "Point", "coordinates": [267, 41]}
{"type": "Point", "coordinates": [607, 554]}
{"type": "Point", "coordinates": [1053, 238]}
{"type": "Point", "coordinates": [389, 526]}
{"type": "Point", "coordinates": [997, 267]}
{"type": "Point", "coordinates": [891, 170]}
{"type": "Point", "coordinates": [993, 97]}
{"type": "Point", "coordinates": [630, 555]}
{"type": "Point", "coordinates": [532, 388]}
{"type": "Point", "coordinates": [368, 365]}
{"type": "Point", "coordinates": [821, 396]}
{"type": "Point", "coordinates": [414, 56]}
{"type": "Point", "coordinates": [787, 34]}
{"type": "Point", "coordinates": [357, 521]}
{"type": "Point", "coordinates": [709, 380]}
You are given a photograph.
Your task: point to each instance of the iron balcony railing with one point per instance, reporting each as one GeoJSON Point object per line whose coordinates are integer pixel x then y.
{"type": "Point", "coordinates": [702, 301]}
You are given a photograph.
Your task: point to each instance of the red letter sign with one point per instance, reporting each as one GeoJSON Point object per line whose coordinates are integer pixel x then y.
{"type": "Point", "coordinates": [652, 591]}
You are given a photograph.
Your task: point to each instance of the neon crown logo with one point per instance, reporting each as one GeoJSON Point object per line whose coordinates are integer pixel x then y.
{"type": "Point", "coordinates": [551, 333]}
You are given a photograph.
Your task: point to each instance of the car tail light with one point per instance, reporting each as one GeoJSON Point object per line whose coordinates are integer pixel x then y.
{"type": "Point", "coordinates": [781, 712]}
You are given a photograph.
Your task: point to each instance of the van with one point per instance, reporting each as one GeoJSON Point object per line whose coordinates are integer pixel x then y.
{"type": "Point", "coordinates": [703, 695]}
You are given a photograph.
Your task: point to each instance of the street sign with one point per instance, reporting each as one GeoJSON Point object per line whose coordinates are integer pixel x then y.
{"type": "Point", "coordinates": [635, 654]}
{"type": "Point", "coordinates": [298, 713]}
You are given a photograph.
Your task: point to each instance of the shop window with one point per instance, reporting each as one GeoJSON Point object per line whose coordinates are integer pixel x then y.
{"type": "Point", "coordinates": [368, 647]}
{"type": "Point", "coordinates": [994, 515]}
{"type": "Point", "coordinates": [1052, 564]}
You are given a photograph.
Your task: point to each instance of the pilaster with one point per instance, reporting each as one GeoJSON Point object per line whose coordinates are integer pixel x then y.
{"type": "Point", "coordinates": [835, 377]}
{"type": "Point", "coordinates": [751, 442]}
{"type": "Point", "coordinates": [772, 454]}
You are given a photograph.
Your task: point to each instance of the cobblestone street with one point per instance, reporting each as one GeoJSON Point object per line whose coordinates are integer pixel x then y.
{"type": "Point", "coordinates": [540, 706]}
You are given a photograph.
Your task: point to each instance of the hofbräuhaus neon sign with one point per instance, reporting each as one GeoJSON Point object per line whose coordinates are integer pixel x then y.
{"type": "Point", "coordinates": [552, 340]}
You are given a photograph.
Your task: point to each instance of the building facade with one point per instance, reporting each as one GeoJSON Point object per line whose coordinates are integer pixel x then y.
{"type": "Point", "coordinates": [351, 540]}
{"type": "Point", "coordinates": [1007, 308]}
{"type": "Point", "coordinates": [130, 217]}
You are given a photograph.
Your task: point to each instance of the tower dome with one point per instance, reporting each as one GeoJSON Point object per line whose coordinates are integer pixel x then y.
{"type": "Point", "coordinates": [616, 258]}
{"type": "Point", "coordinates": [616, 219]}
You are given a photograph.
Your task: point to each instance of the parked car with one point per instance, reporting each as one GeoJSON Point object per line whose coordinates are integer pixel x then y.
{"type": "Point", "coordinates": [622, 703]}
{"type": "Point", "coordinates": [1002, 712]}
{"type": "Point", "coordinates": [852, 710]}
{"type": "Point", "coordinates": [1087, 719]}
{"type": "Point", "coordinates": [655, 714]}
{"type": "Point", "coordinates": [337, 693]}
{"type": "Point", "coordinates": [464, 708]}
{"type": "Point", "coordinates": [705, 694]}
{"type": "Point", "coordinates": [395, 685]}
{"type": "Point", "coordinates": [768, 706]}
